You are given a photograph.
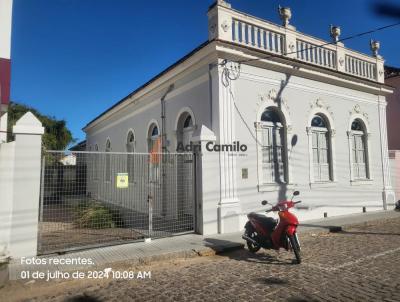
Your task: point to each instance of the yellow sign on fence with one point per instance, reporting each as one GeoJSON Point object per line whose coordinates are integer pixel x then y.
{"type": "Point", "coordinates": [122, 180]}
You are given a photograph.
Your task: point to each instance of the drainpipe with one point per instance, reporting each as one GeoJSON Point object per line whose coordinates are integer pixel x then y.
{"type": "Point", "coordinates": [164, 149]}
{"type": "Point", "coordinates": [163, 134]}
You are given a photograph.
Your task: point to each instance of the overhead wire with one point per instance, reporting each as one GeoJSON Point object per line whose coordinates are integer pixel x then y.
{"type": "Point", "coordinates": [317, 46]}
{"type": "Point", "coordinates": [227, 77]}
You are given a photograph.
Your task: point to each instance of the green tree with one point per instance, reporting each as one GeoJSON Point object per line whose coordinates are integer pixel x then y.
{"type": "Point", "coordinates": [56, 134]}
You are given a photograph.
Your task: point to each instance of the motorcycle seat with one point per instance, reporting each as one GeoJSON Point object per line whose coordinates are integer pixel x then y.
{"type": "Point", "coordinates": [269, 222]}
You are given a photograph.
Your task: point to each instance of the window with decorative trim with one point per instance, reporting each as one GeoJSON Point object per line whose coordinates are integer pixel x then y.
{"type": "Point", "coordinates": [359, 156]}
{"type": "Point", "coordinates": [273, 146]}
{"type": "Point", "coordinates": [130, 160]}
{"type": "Point", "coordinates": [321, 149]}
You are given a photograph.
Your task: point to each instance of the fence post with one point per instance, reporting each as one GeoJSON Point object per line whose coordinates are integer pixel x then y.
{"type": "Point", "coordinates": [150, 201]}
{"type": "Point", "coordinates": [41, 198]}
{"type": "Point", "coordinates": [6, 191]}
{"type": "Point", "coordinates": [26, 186]}
{"type": "Point", "coordinates": [207, 189]}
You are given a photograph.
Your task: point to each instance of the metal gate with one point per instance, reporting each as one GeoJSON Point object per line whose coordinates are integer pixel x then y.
{"type": "Point", "coordinates": [91, 199]}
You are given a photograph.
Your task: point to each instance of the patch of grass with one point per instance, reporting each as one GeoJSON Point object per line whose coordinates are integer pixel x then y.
{"type": "Point", "coordinates": [95, 215]}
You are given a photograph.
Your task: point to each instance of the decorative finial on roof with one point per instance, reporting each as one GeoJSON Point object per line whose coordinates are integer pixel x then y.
{"type": "Point", "coordinates": [375, 45]}
{"type": "Point", "coordinates": [223, 3]}
{"type": "Point", "coordinates": [285, 13]}
{"type": "Point", "coordinates": [335, 33]}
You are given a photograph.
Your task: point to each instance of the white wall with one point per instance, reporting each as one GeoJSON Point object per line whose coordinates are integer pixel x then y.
{"type": "Point", "coordinates": [191, 92]}
{"type": "Point", "coordinates": [20, 166]}
{"type": "Point", "coordinates": [299, 96]}
{"type": "Point", "coordinates": [7, 151]}
{"type": "Point", "coordinates": [5, 28]}
{"type": "Point", "coordinates": [225, 197]}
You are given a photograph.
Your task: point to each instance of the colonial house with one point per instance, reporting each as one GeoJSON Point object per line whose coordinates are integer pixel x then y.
{"type": "Point", "coordinates": [273, 110]}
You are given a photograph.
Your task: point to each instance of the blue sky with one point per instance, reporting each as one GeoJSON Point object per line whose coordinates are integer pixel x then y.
{"type": "Point", "coordinates": [73, 59]}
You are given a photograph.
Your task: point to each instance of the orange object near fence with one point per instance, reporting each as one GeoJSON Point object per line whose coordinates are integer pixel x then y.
{"type": "Point", "coordinates": [155, 155]}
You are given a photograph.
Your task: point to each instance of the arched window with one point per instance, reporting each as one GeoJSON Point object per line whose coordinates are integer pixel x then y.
{"type": "Point", "coordinates": [321, 148]}
{"type": "Point", "coordinates": [154, 147]}
{"type": "Point", "coordinates": [108, 161]}
{"type": "Point", "coordinates": [188, 123]}
{"type": "Point", "coordinates": [130, 162]}
{"type": "Point", "coordinates": [96, 162]}
{"type": "Point", "coordinates": [184, 131]}
{"type": "Point", "coordinates": [359, 155]}
{"type": "Point", "coordinates": [153, 139]}
{"type": "Point", "coordinates": [273, 157]}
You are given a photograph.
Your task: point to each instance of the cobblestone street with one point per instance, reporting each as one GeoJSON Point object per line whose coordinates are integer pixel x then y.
{"type": "Point", "coordinates": [359, 264]}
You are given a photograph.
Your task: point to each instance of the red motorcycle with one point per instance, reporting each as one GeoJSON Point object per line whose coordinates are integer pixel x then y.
{"type": "Point", "coordinates": [265, 232]}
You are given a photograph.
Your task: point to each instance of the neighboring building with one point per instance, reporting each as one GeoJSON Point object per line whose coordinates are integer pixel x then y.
{"type": "Point", "coordinates": [5, 64]}
{"type": "Point", "coordinates": [81, 146]}
{"type": "Point", "coordinates": [392, 78]}
{"type": "Point", "coordinates": [68, 160]}
{"type": "Point", "coordinates": [313, 119]}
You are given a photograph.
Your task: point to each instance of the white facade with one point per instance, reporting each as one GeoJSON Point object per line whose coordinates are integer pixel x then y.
{"type": "Point", "coordinates": [5, 28]}
{"type": "Point", "coordinates": [20, 189]}
{"type": "Point", "coordinates": [295, 115]}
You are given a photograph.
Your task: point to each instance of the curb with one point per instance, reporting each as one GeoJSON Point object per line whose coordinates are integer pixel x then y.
{"type": "Point", "coordinates": [331, 225]}
{"type": "Point", "coordinates": [186, 254]}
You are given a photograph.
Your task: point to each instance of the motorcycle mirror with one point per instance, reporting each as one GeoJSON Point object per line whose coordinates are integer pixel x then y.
{"type": "Point", "coordinates": [295, 193]}
{"type": "Point", "coordinates": [264, 202]}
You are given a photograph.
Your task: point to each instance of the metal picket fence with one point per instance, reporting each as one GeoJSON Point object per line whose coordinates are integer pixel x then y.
{"type": "Point", "coordinates": [90, 199]}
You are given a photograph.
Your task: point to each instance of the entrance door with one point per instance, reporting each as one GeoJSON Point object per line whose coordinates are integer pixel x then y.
{"type": "Point", "coordinates": [184, 168]}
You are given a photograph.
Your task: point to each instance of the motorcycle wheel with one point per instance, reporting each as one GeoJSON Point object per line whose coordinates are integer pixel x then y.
{"type": "Point", "coordinates": [252, 234]}
{"type": "Point", "coordinates": [295, 247]}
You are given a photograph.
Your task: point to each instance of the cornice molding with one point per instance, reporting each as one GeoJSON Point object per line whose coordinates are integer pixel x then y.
{"type": "Point", "coordinates": [286, 65]}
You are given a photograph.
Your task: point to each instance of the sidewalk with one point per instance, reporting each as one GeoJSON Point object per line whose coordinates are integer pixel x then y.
{"type": "Point", "coordinates": [184, 246]}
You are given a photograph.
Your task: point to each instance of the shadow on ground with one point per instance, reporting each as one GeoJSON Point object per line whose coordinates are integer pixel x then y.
{"type": "Point", "coordinates": [369, 233]}
{"type": "Point", "coordinates": [82, 298]}
{"type": "Point", "coordinates": [236, 251]}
